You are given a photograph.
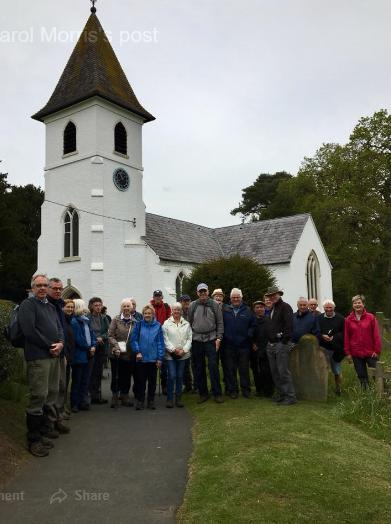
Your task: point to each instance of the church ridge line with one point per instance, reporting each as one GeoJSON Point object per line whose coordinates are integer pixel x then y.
{"type": "Point", "coordinates": [245, 224]}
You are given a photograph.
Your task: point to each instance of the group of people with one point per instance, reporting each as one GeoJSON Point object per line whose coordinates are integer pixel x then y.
{"type": "Point", "coordinates": [70, 343]}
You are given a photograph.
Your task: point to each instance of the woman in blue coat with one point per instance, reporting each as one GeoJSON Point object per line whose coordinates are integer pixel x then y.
{"type": "Point", "coordinates": [147, 343]}
{"type": "Point", "coordinates": [85, 341]}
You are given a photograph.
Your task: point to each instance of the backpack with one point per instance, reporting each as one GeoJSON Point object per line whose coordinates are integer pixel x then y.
{"type": "Point", "coordinates": [13, 332]}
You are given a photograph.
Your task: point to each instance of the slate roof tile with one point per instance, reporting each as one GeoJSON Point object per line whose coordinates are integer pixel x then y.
{"type": "Point", "coordinates": [267, 241]}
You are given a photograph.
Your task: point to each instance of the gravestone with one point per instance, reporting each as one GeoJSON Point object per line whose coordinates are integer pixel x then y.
{"type": "Point", "coordinates": [309, 367]}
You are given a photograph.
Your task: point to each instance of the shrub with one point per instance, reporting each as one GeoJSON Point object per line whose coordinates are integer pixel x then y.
{"type": "Point", "coordinates": [11, 359]}
{"type": "Point", "coordinates": [226, 273]}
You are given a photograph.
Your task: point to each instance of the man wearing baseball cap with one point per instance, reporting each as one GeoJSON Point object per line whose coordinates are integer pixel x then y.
{"type": "Point", "coordinates": [206, 320]}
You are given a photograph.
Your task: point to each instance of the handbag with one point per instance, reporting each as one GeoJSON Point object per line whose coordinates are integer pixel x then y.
{"type": "Point", "coordinates": [122, 345]}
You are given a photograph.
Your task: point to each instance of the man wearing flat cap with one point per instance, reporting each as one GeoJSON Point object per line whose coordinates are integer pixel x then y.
{"type": "Point", "coordinates": [278, 347]}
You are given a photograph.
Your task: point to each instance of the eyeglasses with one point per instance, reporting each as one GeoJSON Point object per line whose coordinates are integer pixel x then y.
{"type": "Point", "coordinates": [57, 288]}
{"type": "Point", "coordinates": [40, 285]}
{"type": "Point", "coordinates": [203, 291]}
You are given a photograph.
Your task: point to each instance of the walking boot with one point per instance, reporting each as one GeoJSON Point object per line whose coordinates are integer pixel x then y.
{"type": "Point", "coordinates": [178, 402]}
{"type": "Point", "coordinates": [125, 401]}
{"type": "Point", "coordinates": [37, 449]}
{"type": "Point", "coordinates": [47, 442]}
{"type": "Point", "coordinates": [151, 404]}
{"type": "Point", "coordinates": [139, 405]}
{"type": "Point", "coordinates": [169, 404]}
{"type": "Point", "coordinates": [47, 429]}
{"type": "Point", "coordinates": [35, 446]}
{"type": "Point", "coordinates": [114, 401]}
{"type": "Point", "coordinates": [202, 399]}
{"type": "Point", "coordinates": [61, 427]}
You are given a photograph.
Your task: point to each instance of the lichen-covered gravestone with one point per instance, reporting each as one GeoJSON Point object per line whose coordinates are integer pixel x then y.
{"type": "Point", "coordinates": [309, 367]}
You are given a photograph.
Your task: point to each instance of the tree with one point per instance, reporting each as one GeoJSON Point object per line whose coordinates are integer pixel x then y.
{"type": "Point", "coordinates": [347, 189]}
{"type": "Point", "coordinates": [20, 217]}
{"type": "Point", "coordinates": [257, 197]}
{"type": "Point", "coordinates": [226, 273]}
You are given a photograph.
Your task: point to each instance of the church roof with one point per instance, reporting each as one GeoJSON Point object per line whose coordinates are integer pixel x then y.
{"type": "Point", "coordinates": [93, 70]}
{"type": "Point", "coordinates": [267, 241]}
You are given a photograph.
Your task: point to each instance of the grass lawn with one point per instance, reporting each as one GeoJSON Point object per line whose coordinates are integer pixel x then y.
{"type": "Point", "coordinates": [13, 451]}
{"type": "Point", "coordinates": [255, 462]}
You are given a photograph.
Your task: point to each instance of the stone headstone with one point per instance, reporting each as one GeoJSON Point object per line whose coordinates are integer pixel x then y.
{"type": "Point", "coordinates": [309, 367]}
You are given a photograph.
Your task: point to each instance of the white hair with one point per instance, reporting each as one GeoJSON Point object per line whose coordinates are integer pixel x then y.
{"type": "Point", "coordinates": [80, 307]}
{"type": "Point", "coordinates": [176, 305]}
{"type": "Point", "coordinates": [38, 275]}
{"type": "Point", "coordinates": [236, 291]}
{"type": "Point", "coordinates": [302, 298]}
{"type": "Point", "coordinates": [125, 301]}
{"type": "Point", "coordinates": [328, 301]}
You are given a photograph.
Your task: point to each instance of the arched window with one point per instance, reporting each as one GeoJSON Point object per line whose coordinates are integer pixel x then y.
{"type": "Point", "coordinates": [313, 276]}
{"type": "Point", "coordinates": [69, 138]}
{"type": "Point", "coordinates": [179, 285]}
{"type": "Point", "coordinates": [71, 233]}
{"type": "Point", "coordinates": [120, 139]}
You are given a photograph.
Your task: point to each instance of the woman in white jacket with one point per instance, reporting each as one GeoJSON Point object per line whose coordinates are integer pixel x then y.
{"type": "Point", "coordinates": [177, 339]}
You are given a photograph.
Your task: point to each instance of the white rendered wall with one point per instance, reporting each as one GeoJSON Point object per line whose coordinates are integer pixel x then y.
{"type": "Point", "coordinates": [112, 255]}
{"type": "Point", "coordinates": [292, 277]}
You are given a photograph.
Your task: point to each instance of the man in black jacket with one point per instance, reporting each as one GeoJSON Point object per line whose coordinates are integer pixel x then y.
{"type": "Point", "coordinates": [280, 335]}
{"type": "Point", "coordinates": [258, 359]}
{"type": "Point", "coordinates": [44, 339]}
{"type": "Point", "coordinates": [55, 290]}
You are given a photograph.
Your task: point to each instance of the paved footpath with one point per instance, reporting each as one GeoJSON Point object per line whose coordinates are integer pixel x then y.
{"type": "Point", "coordinates": [135, 462]}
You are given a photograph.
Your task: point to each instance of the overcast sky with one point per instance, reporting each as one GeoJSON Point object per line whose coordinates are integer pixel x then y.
{"type": "Point", "coordinates": [238, 87]}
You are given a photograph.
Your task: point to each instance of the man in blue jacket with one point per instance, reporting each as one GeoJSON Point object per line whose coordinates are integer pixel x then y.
{"type": "Point", "coordinates": [239, 323]}
{"type": "Point", "coordinates": [304, 321]}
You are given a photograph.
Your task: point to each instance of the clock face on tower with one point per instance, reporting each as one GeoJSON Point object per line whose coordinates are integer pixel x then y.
{"type": "Point", "coordinates": [121, 179]}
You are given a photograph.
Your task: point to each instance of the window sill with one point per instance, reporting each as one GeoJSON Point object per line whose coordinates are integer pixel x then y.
{"type": "Point", "coordinates": [120, 154]}
{"type": "Point", "coordinates": [69, 259]}
{"type": "Point", "coordinates": [72, 153]}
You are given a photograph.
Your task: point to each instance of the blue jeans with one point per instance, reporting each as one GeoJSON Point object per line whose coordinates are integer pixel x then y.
{"type": "Point", "coordinates": [175, 377]}
{"type": "Point", "coordinates": [200, 351]}
{"type": "Point", "coordinates": [79, 388]}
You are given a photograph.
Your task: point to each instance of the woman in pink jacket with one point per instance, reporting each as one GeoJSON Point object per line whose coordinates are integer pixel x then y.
{"type": "Point", "coordinates": [362, 339]}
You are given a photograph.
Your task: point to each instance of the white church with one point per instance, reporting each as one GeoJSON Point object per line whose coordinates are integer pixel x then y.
{"type": "Point", "coordinates": [96, 235]}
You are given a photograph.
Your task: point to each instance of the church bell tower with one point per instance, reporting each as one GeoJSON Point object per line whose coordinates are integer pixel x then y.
{"type": "Point", "coordinates": [93, 217]}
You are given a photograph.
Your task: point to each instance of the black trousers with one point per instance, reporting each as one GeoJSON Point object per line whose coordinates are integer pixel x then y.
{"type": "Point", "coordinates": [122, 372]}
{"type": "Point", "coordinates": [200, 352]}
{"type": "Point", "coordinates": [96, 376]}
{"type": "Point", "coordinates": [145, 372]}
{"type": "Point", "coordinates": [187, 378]}
{"type": "Point", "coordinates": [164, 374]}
{"type": "Point", "coordinates": [360, 365]}
{"type": "Point", "coordinates": [260, 367]}
{"type": "Point", "coordinates": [237, 360]}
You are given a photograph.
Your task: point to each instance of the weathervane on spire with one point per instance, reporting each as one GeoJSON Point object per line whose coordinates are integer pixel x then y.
{"type": "Point", "coordinates": [93, 8]}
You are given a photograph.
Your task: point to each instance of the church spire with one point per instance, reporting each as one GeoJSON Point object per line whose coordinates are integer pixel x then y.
{"type": "Point", "coordinates": [93, 70]}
